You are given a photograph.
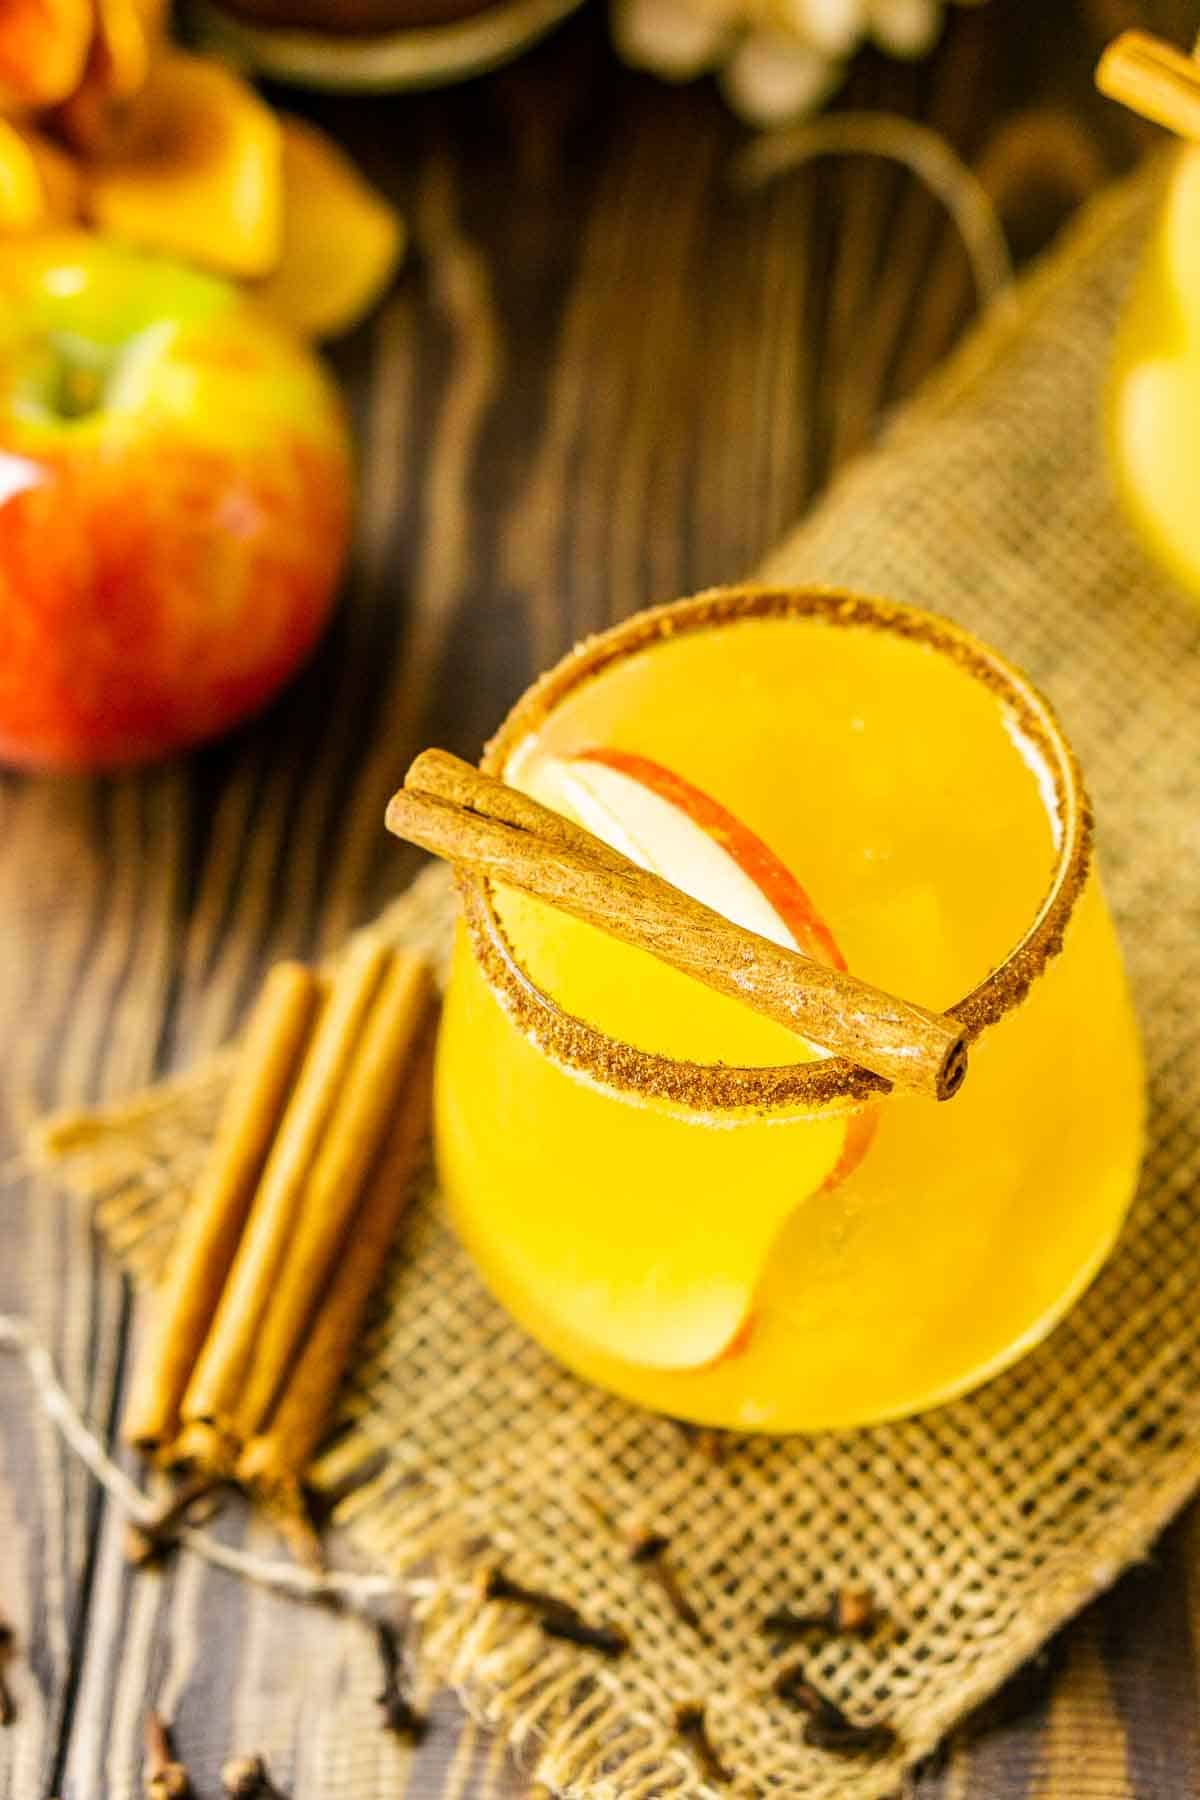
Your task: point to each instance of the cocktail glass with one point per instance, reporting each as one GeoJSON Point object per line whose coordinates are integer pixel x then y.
{"type": "Point", "coordinates": [675, 1196]}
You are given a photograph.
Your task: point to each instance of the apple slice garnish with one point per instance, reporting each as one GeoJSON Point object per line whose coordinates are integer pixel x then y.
{"type": "Point", "coordinates": [663, 822]}
{"type": "Point", "coordinates": [653, 1295]}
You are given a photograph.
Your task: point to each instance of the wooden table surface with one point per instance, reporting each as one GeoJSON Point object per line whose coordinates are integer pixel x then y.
{"type": "Point", "coordinates": [602, 380]}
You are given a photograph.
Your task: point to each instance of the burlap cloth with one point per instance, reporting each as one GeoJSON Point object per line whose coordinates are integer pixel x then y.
{"type": "Point", "coordinates": [985, 1524]}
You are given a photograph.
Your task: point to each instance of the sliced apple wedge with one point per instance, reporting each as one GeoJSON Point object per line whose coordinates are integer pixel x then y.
{"type": "Point", "coordinates": [198, 171]}
{"type": "Point", "coordinates": [676, 1289]}
{"type": "Point", "coordinates": [341, 238]}
{"type": "Point", "coordinates": [664, 823]}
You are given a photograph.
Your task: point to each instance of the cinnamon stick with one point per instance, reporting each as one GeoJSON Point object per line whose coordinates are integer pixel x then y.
{"type": "Point", "coordinates": [899, 1042]}
{"type": "Point", "coordinates": [202, 1450]}
{"type": "Point", "coordinates": [212, 1393]}
{"type": "Point", "coordinates": [275, 1459]}
{"type": "Point", "coordinates": [208, 1237]}
{"type": "Point", "coordinates": [356, 1128]}
{"type": "Point", "coordinates": [1153, 78]}
{"type": "Point", "coordinates": [448, 777]}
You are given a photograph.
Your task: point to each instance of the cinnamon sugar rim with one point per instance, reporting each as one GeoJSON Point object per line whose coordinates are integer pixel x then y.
{"type": "Point", "coordinates": [708, 1087]}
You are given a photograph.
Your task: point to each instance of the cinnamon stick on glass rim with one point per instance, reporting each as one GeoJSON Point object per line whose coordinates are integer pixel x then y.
{"type": "Point", "coordinates": [479, 823]}
{"type": "Point", "coordinates": [1153, 78]}
{"type": "Point", "coordinates": [208, 1237]}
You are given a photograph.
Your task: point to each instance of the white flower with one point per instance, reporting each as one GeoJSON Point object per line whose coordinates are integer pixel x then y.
{"type": "Point", "coordinates": [776, 60]}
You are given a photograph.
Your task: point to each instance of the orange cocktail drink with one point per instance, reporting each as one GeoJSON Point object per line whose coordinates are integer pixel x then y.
{"type": "Point", "coordinates": [676, 1196]}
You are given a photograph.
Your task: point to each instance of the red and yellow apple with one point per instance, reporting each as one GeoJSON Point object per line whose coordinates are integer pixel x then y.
{"type": "Point", "coordinates": [699, 1312]}
{"type": "Point", "coordinates": [175, 485]}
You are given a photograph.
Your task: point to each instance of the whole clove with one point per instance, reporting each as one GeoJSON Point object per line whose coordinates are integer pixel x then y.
{"type": "Point", "coordinates": [8, 1649]}
{"type": "Point", "coordinates": [496, 1585]}
{"type": "Point", "coordinates": [247, 1778]}
{"type": "Point", "coordinates": [399, 1713]}
{"type": "Point", "coordinates": [648, 1550]}
{"type": "Point", "coordinates": [609, 1640]}
{"type": "Point", "coordinates": [163, 1778]}
{"type": "Point", "coordinates": [692, 1727]}
{"type": "Point", "coordinates": [826, 1726]}
{"type": "Point", "coordinates": [793, 1686]}
{"type": "Point", "coordinates": [786, 1622]}
{"type": "Point", "coordinates": [851, 1613]}
{"type": "Point", "coordinates": [558, 1617]}
{"type": "Point", "coordinates": [648, 1546]}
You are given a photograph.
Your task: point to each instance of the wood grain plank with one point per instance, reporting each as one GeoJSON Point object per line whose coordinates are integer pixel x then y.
{"type": "Point", "coordinates": [1150, 1663]}
{"type": "Point", "coordinates": [88, 898]}
{"type": "Point", "coordinates": [1082, 1747]}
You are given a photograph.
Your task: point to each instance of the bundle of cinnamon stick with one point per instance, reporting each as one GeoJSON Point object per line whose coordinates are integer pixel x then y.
{"type": "Point", "coordinates": [324, 1125]}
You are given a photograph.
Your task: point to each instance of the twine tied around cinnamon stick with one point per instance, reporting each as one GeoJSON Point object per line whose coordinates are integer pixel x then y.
{"type": "Point", "coordinates": [479, 823]}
